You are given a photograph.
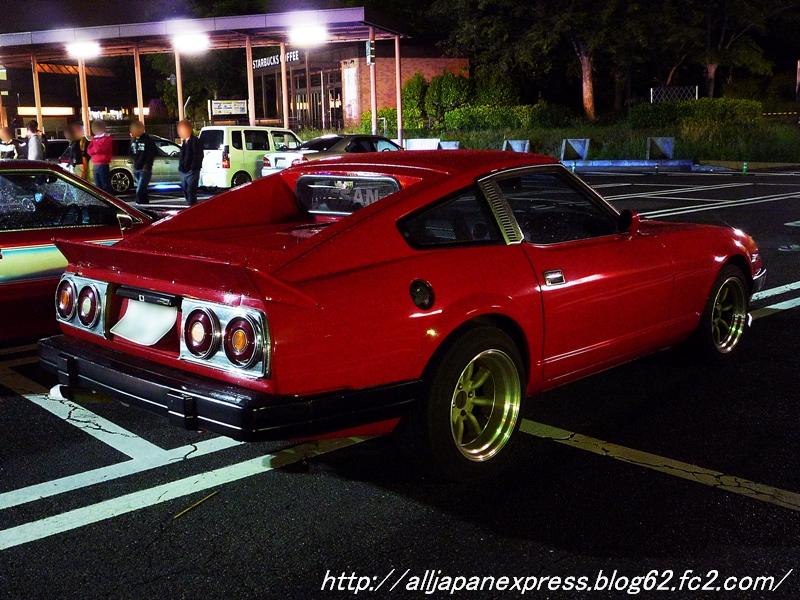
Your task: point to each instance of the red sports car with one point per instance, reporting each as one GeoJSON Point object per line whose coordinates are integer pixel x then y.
{"type": "Point", "coordinates": [437, 290]}
{"type": "Point", "coordinates": [39, 201]}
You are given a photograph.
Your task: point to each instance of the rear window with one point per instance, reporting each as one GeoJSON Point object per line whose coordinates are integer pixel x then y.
{"type": "Point", "coordinates": [320, 144]}
{"type": "Point", "coordinates": [341, 195]}
{"type": "Point", "coordinates": [211, 139]}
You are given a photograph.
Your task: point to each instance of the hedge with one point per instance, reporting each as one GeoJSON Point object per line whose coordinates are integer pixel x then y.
{"type": "Point", "coordinates": [521, 116]}
{"type": "Point", "coordinates": [720, 111]}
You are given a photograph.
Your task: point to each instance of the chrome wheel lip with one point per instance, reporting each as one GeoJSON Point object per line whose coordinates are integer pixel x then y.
{"type": "Point", "coordinates": [498, 412]}
{"type": "Point", "coordinates": [728, 315]}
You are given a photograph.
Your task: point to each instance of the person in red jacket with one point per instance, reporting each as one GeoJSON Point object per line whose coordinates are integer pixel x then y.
{"type": "Point", "coordinates": [100, 149]}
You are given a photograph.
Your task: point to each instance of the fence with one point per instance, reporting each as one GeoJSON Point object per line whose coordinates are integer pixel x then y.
{"type": "Point", "coordinates": [674, 93]}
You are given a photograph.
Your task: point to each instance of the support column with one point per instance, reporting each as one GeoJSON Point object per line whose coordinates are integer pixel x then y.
{"type": "Point", "coordinates": [264, 95]}
{"type": "Point", "coordinates": [373, 92]}
{"type": "Point", "coordinates": [308, 92]}
{"type": "Point", "coordinates": [3, 115]}
{"type": "Point", "coordinates": [179, 85]}
{"type": "Point", "coordinates": [37, 97]}
{"type": "Point", "coordinates": [251, 87]}
{"type": "Point", "coordinates": [85, 117]}
{"type": "Point", "coordinates": [137, 70]}
{"type": "Point", "coordinates": [322, 97]}
{"type": "Point", "coordinates": [398, 84]}
{"type": "Point", "coordinates": [284, 97]}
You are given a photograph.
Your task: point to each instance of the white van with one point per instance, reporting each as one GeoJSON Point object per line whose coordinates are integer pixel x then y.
{"type": "Point", "coordinates": [234, 154]}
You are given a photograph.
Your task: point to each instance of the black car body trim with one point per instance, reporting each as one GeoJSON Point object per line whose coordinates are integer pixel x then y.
{"type": "Point", "coordinates": [196, 402]}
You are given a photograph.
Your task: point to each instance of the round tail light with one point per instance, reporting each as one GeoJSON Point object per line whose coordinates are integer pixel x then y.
{"type": "Point", "coordinates": [65, 299]}
{"type": "Point", "coordinates": [242, 342]}
{"type": "Point", "coordinates": [201, 332]}
{"type": "Point", "coordinates": [88, 306]}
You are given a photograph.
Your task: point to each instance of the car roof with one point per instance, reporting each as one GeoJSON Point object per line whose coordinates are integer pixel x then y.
{"type": "Point", "coordinates": [225, 127]}
{"type": "Point", "coordinates": [447, 162]}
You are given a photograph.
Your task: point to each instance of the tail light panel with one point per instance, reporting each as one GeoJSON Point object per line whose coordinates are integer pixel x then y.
{"type": "Point", "coordinates": [266, 163]}
{"type": "Point", "coordinates": [226, 158]}
{"type": "Point", "coordinates": [227, 338]}
{"type": "Point", "coordinates": [81, 303]}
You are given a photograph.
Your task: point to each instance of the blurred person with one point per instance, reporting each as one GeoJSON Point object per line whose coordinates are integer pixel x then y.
{"type": "Point", "coordinates": [35, 142]}
{"type": "Point", "coordinates": [100, 150]}
{"type": "Point", "coordinates": [8, 145]}
{"type": "Point", "coordinates": [143, 152]}
{"type": "Point", "coordinates": [77, 157]}
{"type": "Point", "coordinates": [191, 161]}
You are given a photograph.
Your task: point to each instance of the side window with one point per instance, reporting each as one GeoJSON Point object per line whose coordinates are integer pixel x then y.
{"type": "Point", "coordinates": [44, 200]}
{"type": "Point", "coordinates": [167, 148]}
{"type": "Point", "coordinates": [550, 209]}
{"type": "Point", "coordinates": [236, 139]}
{"type": "Point", "coordinates": [284, 140]}
{"type": "Point", "coordinates": [360, 145]}
{"type": "Point", "coordinates": [385, 146]}
{"type": "Point", "coordinates": [462, 219]}
{"type": "Point", "coordinates": [256, 140]}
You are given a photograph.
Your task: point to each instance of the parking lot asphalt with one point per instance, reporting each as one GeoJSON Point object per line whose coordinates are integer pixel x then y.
{"type": "Point", "coordinates": [663, 464]}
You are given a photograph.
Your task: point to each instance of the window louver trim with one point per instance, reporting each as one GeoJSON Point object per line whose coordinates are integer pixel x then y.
{"type": "Point", "coordinates": [512, 234]}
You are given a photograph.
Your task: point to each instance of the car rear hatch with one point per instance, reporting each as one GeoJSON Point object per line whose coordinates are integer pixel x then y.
{"type": "Point", "coordinates": [213, 141]}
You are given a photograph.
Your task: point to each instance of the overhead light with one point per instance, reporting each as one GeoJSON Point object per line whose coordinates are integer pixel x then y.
{"type": "Point", "coordinates": [308, 35]}
{"type": "Point", "coordinates": [84, 50]}
{"type": "Point", "coordinates": [190, 43]}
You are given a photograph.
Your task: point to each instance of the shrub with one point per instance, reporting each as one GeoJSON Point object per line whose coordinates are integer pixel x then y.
{"type": "Point", "coordinates": [719, 111]}
{"type": "Point", "coordinates": [522, 116]}
{"type": "Point", "coordinates": [390, 114]}
{"type": "Point", "coordinates": [493, 88]}
{"type": "Point", "coordinates": [446, 92]}
{"type": "Point", "coordinates": [413, 93]}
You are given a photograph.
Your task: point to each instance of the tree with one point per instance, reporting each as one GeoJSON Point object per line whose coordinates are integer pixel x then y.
{"type": "Point", "coordinates": [520, 38]}
{"type": "Point", "coordinates": [728, 27]}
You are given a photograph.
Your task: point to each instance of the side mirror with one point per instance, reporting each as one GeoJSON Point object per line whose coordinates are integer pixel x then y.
{"type": "Point", "coordinates": [125, 221]}
{"type": "Point", "coordinates": [629, 222]}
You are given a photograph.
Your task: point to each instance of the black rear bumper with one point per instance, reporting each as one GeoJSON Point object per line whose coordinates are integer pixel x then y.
{"type": "Point", "coordinates": [195, 402]}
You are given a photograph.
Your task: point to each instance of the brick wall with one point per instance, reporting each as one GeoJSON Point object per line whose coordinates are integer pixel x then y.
{"type": "Point", "coordinates": [384, 79]}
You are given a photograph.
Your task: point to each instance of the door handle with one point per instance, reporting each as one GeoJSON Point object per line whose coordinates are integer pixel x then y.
{"type": "Point", "coordinates": [554, 277]}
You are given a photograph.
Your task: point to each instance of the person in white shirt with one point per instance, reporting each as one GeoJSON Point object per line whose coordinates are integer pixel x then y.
{"type": "Point", "coordinates": [8, 145]}
{"type": "Point", "coordinates": [35, 144]}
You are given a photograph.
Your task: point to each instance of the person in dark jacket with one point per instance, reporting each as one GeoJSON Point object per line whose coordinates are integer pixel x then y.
{"type": "Point", "coordinates": [143, 152]}
{"type": "Point", "coordinates": [191, 161]}
{"type": "Point", "coordinates": [8, 145]}
{"type": "Point", "coordinates": [77, 157]}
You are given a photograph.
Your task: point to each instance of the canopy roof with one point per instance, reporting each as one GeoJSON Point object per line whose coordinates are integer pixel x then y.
{"type": "Point", "coordinates": [342, 24]}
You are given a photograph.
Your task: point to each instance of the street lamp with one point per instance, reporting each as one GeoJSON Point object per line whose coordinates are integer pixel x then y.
{"type": "Point", "coordinates": [84, 50]}
{"type": "Point", "coordinates": [305, 36]}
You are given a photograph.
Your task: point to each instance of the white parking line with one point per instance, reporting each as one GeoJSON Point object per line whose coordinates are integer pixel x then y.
{"type": "Point", "coordinates": [70, 483]}
{"type": "Point", "coordinates": [101, 429]}
{"type": "Point", "coordinates": [692, 189]}
{"type": "Point", "coordinates": [682, 210]}
{"type": "Point", "coordinates": [776, 308]}
{"type": "Point", "coordinates": [776, 291]}
{"type": "Point", "coordinates": [107, 509]}
{"type": "Point", "coordinates": [716, 479]}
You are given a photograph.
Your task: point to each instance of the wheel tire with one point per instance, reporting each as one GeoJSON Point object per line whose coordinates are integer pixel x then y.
{"type": "Point", "coordinates": [724, 320]}
{"type": "Point", "coordinates": [121, 181]}
{"type": "Point", "coordinates": [488, 432]}
{"type": "Point", "coordinates": [240, 178]}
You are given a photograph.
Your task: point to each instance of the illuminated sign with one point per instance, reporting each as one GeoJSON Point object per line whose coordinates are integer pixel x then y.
{"type": "Point", "coordinates": [228, 107]}
{"type": "Point", "coordinates": [275, 60]}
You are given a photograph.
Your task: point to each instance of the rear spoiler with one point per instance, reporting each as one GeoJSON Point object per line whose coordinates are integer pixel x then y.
{"type": "Point", "coordinates": [191, 271]}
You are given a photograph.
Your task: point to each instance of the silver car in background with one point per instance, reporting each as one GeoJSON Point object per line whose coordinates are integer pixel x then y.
{"type": "Point", "coordinates": [165, 165]}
